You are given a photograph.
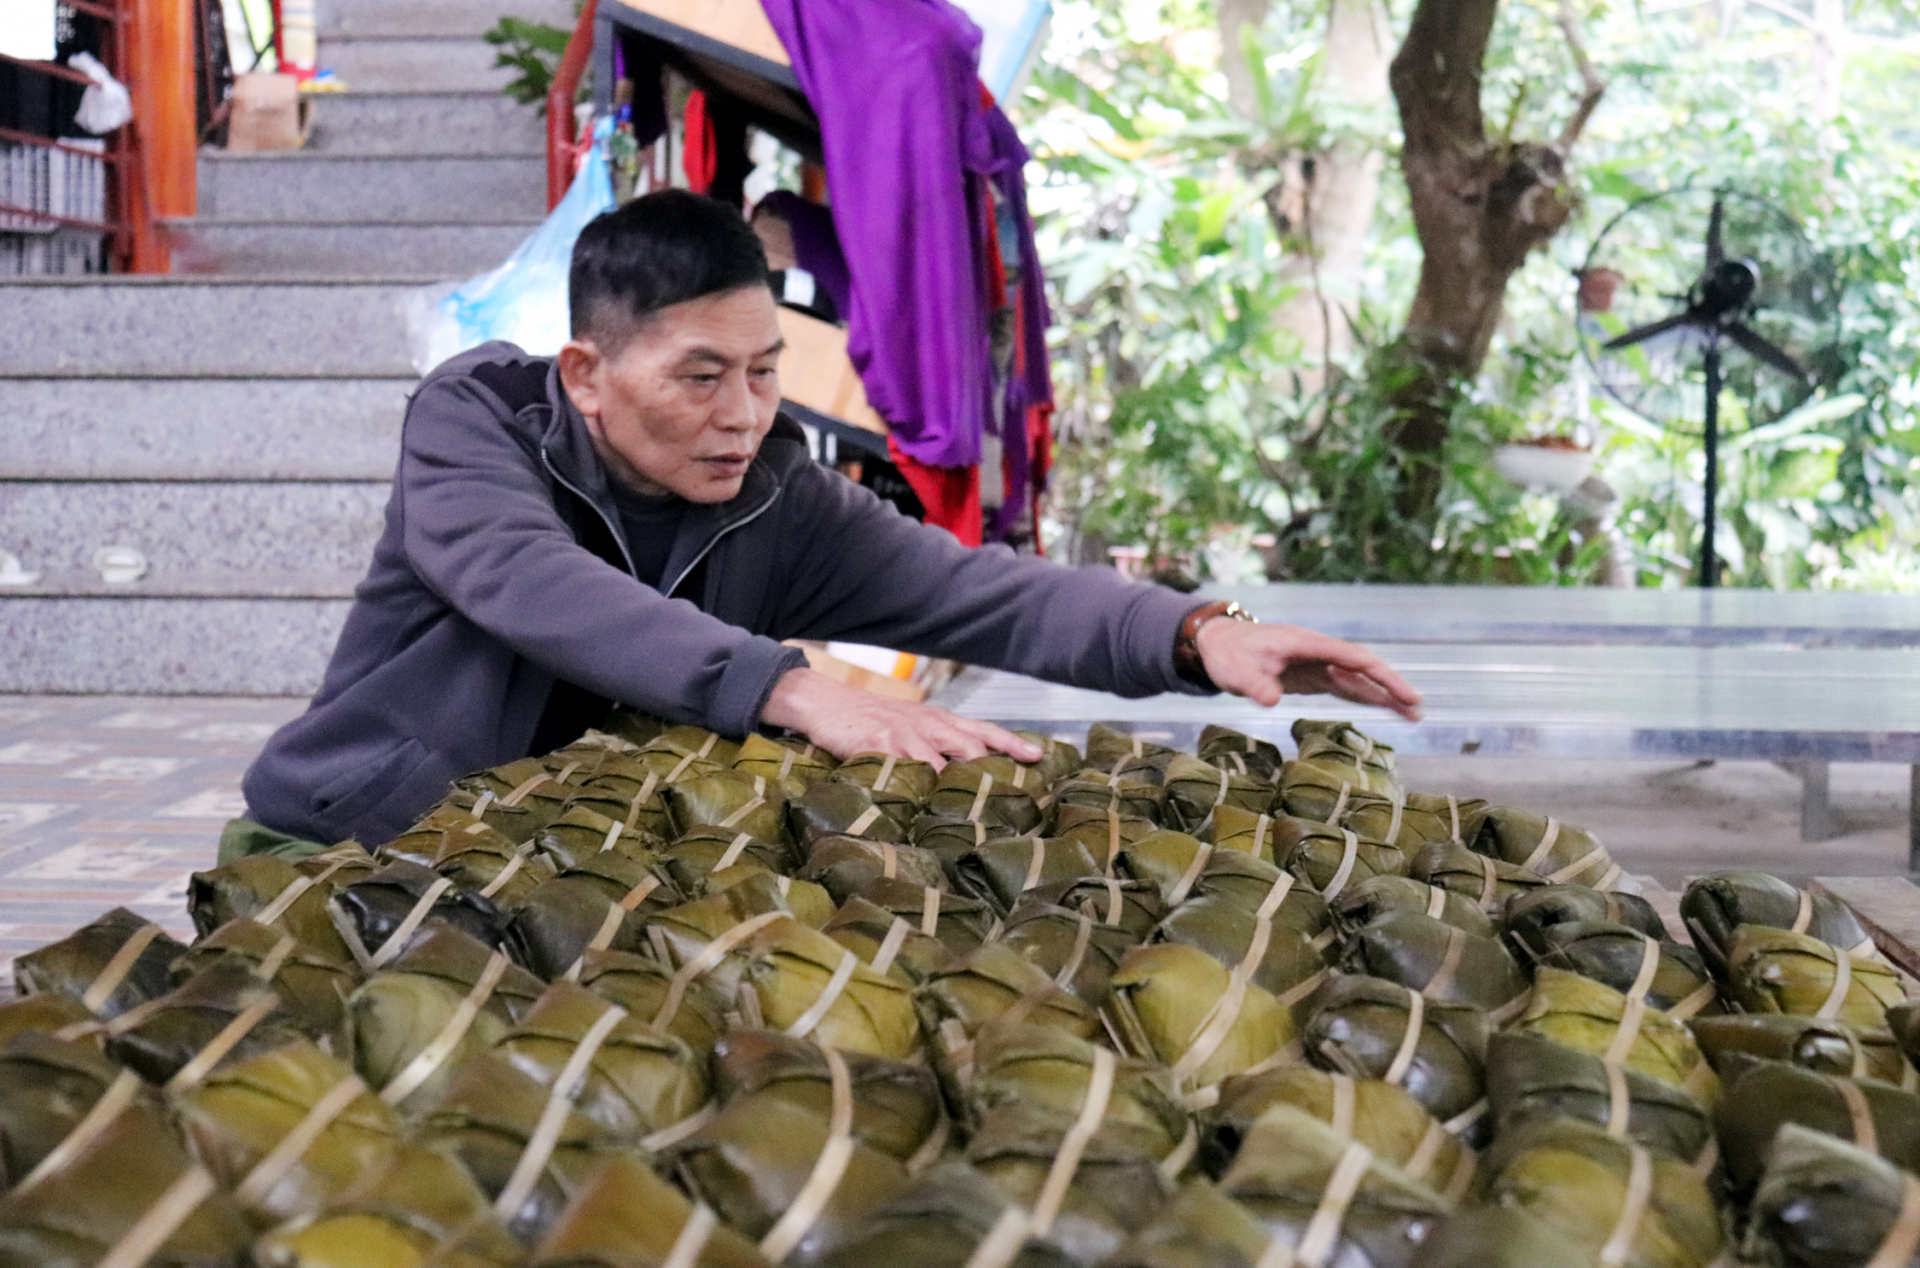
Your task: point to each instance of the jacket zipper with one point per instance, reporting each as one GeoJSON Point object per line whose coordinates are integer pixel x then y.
{"type": "Point", "coordinates": [706, 550]}
{"type": "Point", "coordinates": [619, 538]}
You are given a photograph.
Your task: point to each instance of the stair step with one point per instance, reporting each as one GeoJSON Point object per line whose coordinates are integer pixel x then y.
{"type": "Point", "coordinates": [345, 251]}
{"type": "Point", "coordinates": [201, 429]}
{"type": "Point", "coordinates": [191, 585]}
{"type": "Point", "coordinates": [433, 17]}
{"type": "Point", "coordinates": [320, 188]}
{"type": "Point", "coordinates": [198, 529]}
{"type": "Point", "coordinates": [363, 123]}
{"type": "Point", "coordinates": [133, 327]}
{"type": "Point", "coordinates": [460, 63]}
{"type": "Point", "coordinates": [157, 646]}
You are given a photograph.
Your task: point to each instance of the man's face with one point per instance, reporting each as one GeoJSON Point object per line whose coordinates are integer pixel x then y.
{"type": "Point", "coordinates": [683, 406]}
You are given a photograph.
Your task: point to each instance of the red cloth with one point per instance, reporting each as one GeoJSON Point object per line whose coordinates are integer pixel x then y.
{"type": "Point", "coordinates": [951, 495]}
{"type": "Point", "coordinates": [700, 155]}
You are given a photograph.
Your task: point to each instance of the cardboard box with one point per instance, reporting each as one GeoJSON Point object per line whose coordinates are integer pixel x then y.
{"type": "Point", "coordinates": [816, 372]}
{"type": "Point", "coordinates": [268, 114]}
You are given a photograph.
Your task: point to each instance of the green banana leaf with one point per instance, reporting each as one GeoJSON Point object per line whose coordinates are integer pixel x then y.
{"type": "Point", "coordinates": [897, 1105]}
{"type": "Point", "coordinates": [1058, 760]}
{"type": "Point", "coordinates": [1163, 859]}
{"type": "Point", "coordinates": [687, 929]}
{"type": "Point", "coordinates": [960, 923]}
{"type": "Point", "coordinates": [640, 984]}
{"type": "Point", "coordinates": [1614, 953]}
{"type": "Point", "coordinates": [1714, 907]}
{"type": "Point", "coordinates": [45, 1015]}
{"type": "Point", "coordinates": [626, 1216]}
{"type": "Point", "coordinates": [459, 961]}
{"type": "Point", "coordinates": [632, 790]}
{"type": "Point", "coordinates": [937, 1222]}
{"type": "Point", "coordinates": [834, 806]}
{"type": "Point", "coordinates": [1761, 1096]}
{"type": "Point", "coordinates": [1165, 998]}
{"type": "Point", "coordinates": [1476, 877]}
{"type": "Point", "coordinates": [421, 1209]}
{"type": "Point", "coordinates": [560, 920]}
{"type": "Point", "coordinates": [1822, 1203]}
{"type": "Point", "coordinates": [1243, 830]}
{"type": "Point", "coordinates": [170, 1031]}
{"type": "Point", "coordinates": [1442, 962]}
{"type": "Point", "coordinates": [1103, 830]}
{"type": "Point", "coordinates": [634, 727]}
{"type": "Point", "coordinates": [1196, 789]}
{"type": "Point", "coordinates": [423, 842]}
{"type": "Point", "coordinates": [1903, 1024]}
{"type": "Point", "coordinates": [1108, 744]}
{"type": "Point", "coordinates": [1823, 1046]}
{"type": "Point", "coordinates": [1772, 971]}
{"type": "Point", "coordinates": [1225, 929]}
{"type": "Point", "coordinates": [1010, 798]}
{"type": "Point", "coordinates": [376, 907]}
{"type": "Point", "coordinates": [1515, 836]}
{"type": "Point", "coordinates": [992, 981]}
{"type": "Point", "coordinates": [1414, 819]}
{"type": "Point", "coordinates": [47, 1086]}
{"type": "Point", "coordinates": [312, 984]}
{"type": "Point", "coordinates": [790, 968]}
{"type": "Point", "coordinates": [730, 800]}
{"type": "Point", "coordinates": [1497, 1237]}
{"type": "Point", "coordinates": [395, 1017]}
{"type": "Point", "coordinates": [784, 759]}
{"type": "Point", "coordinates": [1361, 904]}
{"type": "Point", "coordinates": [999, 872]}
{"type": "Point", "coordinates": [844, 865]}
{"type": "Point", "coordinates": [1357, 1026]}
{"type": "Point", "coordinates": [1199, 1227]}
{"type": "Point", "coordinates": [693, 741]}
{"type": "Point", "coordinates": [1025, 1065]}
{"type": "Point", "coordinates": [1530, 912]}
{"type": "Point", "coordinates": [951, 838]}
{"type": "Point", "coordinates": [584, 831]}
{"type": "Point", "coordinates": [78, 964]}
{"type": "Point", "coordinates": [1530, 1077]}
{"type": "Point", "coordinates": [1584, 1014]}
{"type": "Point", "coordinates": [1131, 905]}
{"type": "Point", "coordinates": [1131, 798]}
{"type": "Point", "coordinates": [246, 887]}
{"type": "Point", "coordinates": [1219, 744]}
{"type": "Point", "coordinates": [1330, 859]}
{"type": "Point", "coordinates": [1052, 937]}
{"type": "Point", "coordinates": [864, 928]}
{"type": "Point", "coordinates": [908, 783]}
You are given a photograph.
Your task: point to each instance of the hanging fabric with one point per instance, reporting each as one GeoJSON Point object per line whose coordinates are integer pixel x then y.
{"type": "Point", "coordinates": [701, 151]}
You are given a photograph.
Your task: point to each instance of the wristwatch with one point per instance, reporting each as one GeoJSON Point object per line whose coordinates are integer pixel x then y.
{"type": "Point", "coordinates": [1186, 645]}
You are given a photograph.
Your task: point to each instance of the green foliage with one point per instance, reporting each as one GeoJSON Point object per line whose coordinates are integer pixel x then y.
{"type": "Point", "coordinates": [532, 50]}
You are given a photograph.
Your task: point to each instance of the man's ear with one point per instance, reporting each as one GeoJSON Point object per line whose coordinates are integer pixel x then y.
{"type": "Point", "coordinates": [580, 363]}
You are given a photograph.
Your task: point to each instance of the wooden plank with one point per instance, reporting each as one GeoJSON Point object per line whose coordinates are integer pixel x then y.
{"type": "Point", "coordinates": [741, 23]}
{"type": "Point", "coordinates": [1889, 910]}
{"type": "Point", "coordinates": [816, 371]}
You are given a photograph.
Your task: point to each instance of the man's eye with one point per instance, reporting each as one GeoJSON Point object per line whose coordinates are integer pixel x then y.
{"type": "Point", "coordinates": [704, 378]}
{"type": "Point", "coordinates": [766, 372]}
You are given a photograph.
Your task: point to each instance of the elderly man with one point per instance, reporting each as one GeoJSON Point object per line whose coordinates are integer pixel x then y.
{"type": "Point", "coordinates": [634, 522]}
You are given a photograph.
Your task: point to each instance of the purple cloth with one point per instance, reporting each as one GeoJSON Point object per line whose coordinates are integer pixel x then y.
{"type": "Point", "coordinates": [816, 247]}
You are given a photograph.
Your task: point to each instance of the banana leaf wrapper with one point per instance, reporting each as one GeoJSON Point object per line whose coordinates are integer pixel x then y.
{"type": "Point", "coordinates": [1245, 831]}
{"type": "Point", "coordinates": [1377, 897]}
{"type": "Point", "coordinates": [884, 939]}
{"type": "Point", "coordinates": [1529, 913]}
{"type": "Point", "coordinates": [1442, 962]}
{"type": "Point", "coordinates": [1596, 1019]}
{"type": "Point", "coordinates": [1014, 1065]}
{"type": "Point", "coordinates": [730, 800]}
{"type": "Point", "coordinates": [685, 931]}
{"type": "Point", "coordinates": [1770, 970]}
{"type": "Point", "coordinates": [47, 1086]}
{"type": "Point", "coordinates": [631, 793]}
{"type": "Point", "coordinates": [1824, 1046]}
{"type": "Point", "coordinates": [1074, 948]}
{"type": "Point", "coordinates": [1530, 1078]}
{"type": "Point", "coordinates": [1101, 791]}
{"type": "Point", "coordinates": [375, 909]}
{"type": "Point", "coordinates": [999, 872]}
{"type": "Point", "coordinates": [597, 743]}
{"type": "Point", "coordinates": [634, 727]}
{"type": "Point", "coordinates": [951, 838]}
{"type": "Point", "coordinates": [421, 1208]}
{"type": "Point", "coordinates": [47, 1015]}
{"type": "Point", "coordinates": [1287, 1172]}
{"type": "Point", "coordinates": [638, 1081]}
{"type": "Point", "coordinates": [1343, 735]}
{"type": "Point", "coordinates": [1762, 1096]}
{"type": "Point", "coordinates": [1617, 955]}
{"type": "Point", "coordinates": [116, 962]}
{"type": "Point", "coordinates": [897, 1106]}
{"type": "Point", "coordinates": [521, 810]}
{"type": "Point", "coordinates": [1058, 760]}
{"type": "Point", "coordinates": [1615, 1199]}
{"type": "Point", "coordinates": [261, 884]}
{"type": "Point", "coordinates": [1498, 1237]}
{"type": "Point", "coordinates": [241, 1117]}
{"type": "Point", "coordinates": [1108, 744]}
{"type": "Point", "coordinates": [1330, 859]}
{"type": "Point", "coordinates": [485, 1122]}
{"type": "Point", "coordinates": [341, 865]}
{"type": "Point", "coordinates": [1199, 1227]}
{"type": "Point", "coordinates": [1484, 880]}
{"type": "Point", "coordinates": [575, 912]}
{"type": "Point", "coordinates": [1823, 1203]}
{"type": "Point", "coordinates": [394, 1019]}
{"type": "Point", "coordinates": [1103, 830]}
{"type": "Point", "coordinates": [629, 1217]}
{"type": "Point", "coordinates": [804, 984]}
{"type": "Point", "coordinates": [752, 1161]}
{"type": "Point", "coordinates": [641, 985]}
{"type": "Point", "coordinates": [836, 807]}
{"type": "Point", "coordinates": [1413, 820]}
{"type": "Point", "coordinates": [1116, 1183]}
{"type": "Point", "coordinates": [584, 831]}
{"type": "Point", "coordinates": [810, 904]}
{"type": "Point", "coordinates": [423, 842]}
{"type": "Point", "coordinates": [503, 879]}
{"type": "Point", "coordinates": [1903, 1023]}
{"type": "Point", "coordinates": [1379, 1115]}
{"type": "Point", "coordinates": [1195, 790]}
{"type": "Point", "coordinates": [83, 1207]}
{"type": "Point", "coordinates": [693, 741]}
{"type": "Point", "coordinates": [312, 984]}
{"type": "Point", "coordinates": [1171, 861]}
{"type": "Point", "coordinates": [938, 1221]}
{"type": "Point", "coordinates": [1715, 907]}
{"type": "Point", "coordinates": [998, 983]}
{"type": "Point", "coordinates": [784, 759]}
{"type": "Point", "coordinates": [992, 789]}
{"type": "Point", "coordinates": [961, 924]}
{"type": "Point", "coordinates": [1182, 869]}
{"type": "Point", "coordinates": [1131, 905]}
{"type": "Point", "coordinates": [1222, 745]}
{"type": "Point", "coordinates": [460, 962]}
{"type": "Point", "coordinates": [1540, 843]}
{"type": "Point", "coordinates": [844, 865]}
{"type": "Point", "coordinates": [700, 852]}
{"type": "Point", "coordinates": [1172, 1003]}
{"type": "Point", "coordinates": [158, 1039]}
{"type": "Point", "coordinates": [1225, 929]}
{"type": "Point", "coordinates": [1369, 1028]}
{"type": "Point", "coordinates": [892, 781]}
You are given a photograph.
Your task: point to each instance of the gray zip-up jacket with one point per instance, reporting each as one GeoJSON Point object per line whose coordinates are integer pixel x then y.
{"type": "Point", "coordinates": [503, 568]}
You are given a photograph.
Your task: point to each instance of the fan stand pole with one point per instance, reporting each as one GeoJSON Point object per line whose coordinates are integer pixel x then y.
{"type": "Point", "coordinates": [1709, 566]}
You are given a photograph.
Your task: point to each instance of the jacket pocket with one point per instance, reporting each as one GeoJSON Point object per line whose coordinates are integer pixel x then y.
{"type": "Point", "coordinates": [346, 800]}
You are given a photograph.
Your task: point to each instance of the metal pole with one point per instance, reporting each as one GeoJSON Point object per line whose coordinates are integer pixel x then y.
{"type": "Point", "coordinates": [1709, 569]}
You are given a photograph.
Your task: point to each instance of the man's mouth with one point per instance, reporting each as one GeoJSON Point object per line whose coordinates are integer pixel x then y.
{"type": "Point", "coordinates": [727, 464]}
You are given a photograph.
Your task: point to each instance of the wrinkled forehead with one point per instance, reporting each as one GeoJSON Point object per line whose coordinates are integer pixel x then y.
{"type": "Point", "coordinates": [731, 328]}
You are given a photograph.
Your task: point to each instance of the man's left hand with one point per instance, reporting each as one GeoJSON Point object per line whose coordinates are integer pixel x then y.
{"type": "Point", "coordinates": [1264, 662]}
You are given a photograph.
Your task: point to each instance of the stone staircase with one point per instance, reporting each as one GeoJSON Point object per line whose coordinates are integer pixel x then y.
{"type": "Point", "coordinates": [237, 422]}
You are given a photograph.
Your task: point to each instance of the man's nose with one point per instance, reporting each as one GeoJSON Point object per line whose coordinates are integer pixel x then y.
{"type": "Point", "coordinates": [735, 408]}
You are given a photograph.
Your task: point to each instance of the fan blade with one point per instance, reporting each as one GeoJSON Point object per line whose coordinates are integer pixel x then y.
{"type": "Point", "coordinates": [1643, 333]}
{"type": "Point", "coordinates": [1716, 251]}
{"type": "Point", "coordinates": [1761, 350]}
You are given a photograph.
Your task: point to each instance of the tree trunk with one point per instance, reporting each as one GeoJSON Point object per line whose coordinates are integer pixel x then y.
{"type": "Point", "coordinates": [1829, 56]}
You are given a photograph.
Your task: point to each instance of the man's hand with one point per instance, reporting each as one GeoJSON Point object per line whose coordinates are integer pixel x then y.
{"type": "Point", "coordinates": [1263, 662]}
{"type": "Point", "coordinates": [846, 720]}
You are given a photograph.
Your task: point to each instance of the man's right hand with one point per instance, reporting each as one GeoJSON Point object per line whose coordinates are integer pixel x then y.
{"type": "Point", "coordinates": [846, 720]}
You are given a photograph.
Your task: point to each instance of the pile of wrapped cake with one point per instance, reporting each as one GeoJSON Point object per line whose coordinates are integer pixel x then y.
{"type": "Point", "coordinates": [663, 1000]}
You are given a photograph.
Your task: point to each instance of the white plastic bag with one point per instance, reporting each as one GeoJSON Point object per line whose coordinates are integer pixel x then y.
{"type": "Point", "coordinates": [106, 104]}
{"type": "Point", "coordinates": [524, 301]}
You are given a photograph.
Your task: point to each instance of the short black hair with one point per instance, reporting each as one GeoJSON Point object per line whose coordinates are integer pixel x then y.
{"type": "Point", "coordinates": [659, 250]}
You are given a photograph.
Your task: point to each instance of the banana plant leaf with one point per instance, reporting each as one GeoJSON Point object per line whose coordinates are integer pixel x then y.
{"type": "Point", "coordinates": [1362, 1027]}
{"type": "Point", "coordinates": [784, 759]}
{"type": "Point", "coordinates": [394, 1018]}
{"type": "Point", "coordinates": [1770, 970]}
{"type": "Point", "coordinates": [1379, 1115]}
{"type": "Point", "coordinates": [938, 1221]}
{"type": "Point", "coordinates": [560, 921]}
{"type": "Point", "coordinates": [245, 1111]}
{"type": "Point", "coordinates": [83, 1207]}
{"type": "Point", "coordinates": [163, 1035]}
{"type": "Point", "coordinates": [1581, 1182]}
{"type": "Point", "coordinates": [699, 853]}
{"type": "Point", "coordinates": [640, 984]}
{"type": "Point", "coordinates": [1101, 790]}
{"type": "Point", "coordinates": [47, 1086]}
{"type": "Point", "coordinates": [116, 962]}
{"type": "Point", "coordinates": [952, 837]}
{"type": "Point", "coordinates": [421, 1208]}
{"type": "Point", "coordinates": [634, 727]}
{"type": "Point", "coordinates": [1442, 962]}
{"type": "Point", "coordinates": [883, 939]}
{"type": "Point", "coordinates": [313, 985]}
{"type": "Point", "coordinates": [1903, 1023]}
{"type": "Point", "coordinates": [1823, 1203]}
{"type": "Point", "coordinates": [1199, 1227]}
{"type": "Point", "coordinates": [1528, 914]}
{"type": "Point", "coordinates": [1615, 954]}
{"type": "Point", "coordinates": [752, 1161]}
{"type": "Point", "coordinates": [1282, 1176]}
{"type": "Point", "coordinates": [894, 782]}
{"type": "Point", "coordinates": [423, 842]}
{"type": "Point", "coordinates": [687, 929]}
{"type": "Point", "coordinates": [1131, 905]}
{"type": "Point", "coordinates": [1330, 859]}
{"type": "Point", "coordinates": [999, 872]}
{"type": "Point", "coordinates": [460, 961]}
{"type": "Point", "coordinates": [1171, 1003]}
{"type": "Point", "coordinates": [1074, 948]}
{"type": "Point", "coordinates": [1415, 819]}
{"type": "Point", "coordinates": [340, 865]}
{"type": "Point", "coordinates": [811, 904]}
{"type": "Point", "coordinates": [1376, 897]}
{"type": "Point", "coordinates": [375, 908]}
{"type": "Point", "coordinates": [46, 1015]}
{"type": "Point", "coordinates": [1108, 744]}
{"type": "Point", "coordinates": [249, 887]}
{"type": "Point", "coordinates": [836, 807]}
{"type": "Point", "coordinates": [1497, 1237]}
{"type": "Point", "coordinates": [998, 982]}
{"type": "Point", "coordinates": [730, 800]}
{"type": "Point", "coordinates": [1015, 1065]}
{"type": "Point", "coordinates": [1245, 831]}
{"type": "Point", "coordinates": [1715, 907]}
{"type": "Point", "coordinates": [795, 971]}
{"type": "Point", "coordinates": [1558, 851]}
{"type": "Point", "coordinates": [639, 1079]}
{"type": "Point", "coordinates": [629, 1217]}
{"type": "Point", "coordinates": [1058, 760]}
{"type": "Point", "coordinates": [960, 923]}
{"type": "Point", "coordinates": [486, 1120]}
{"type": "Point", "coordinates": [1588, 1015]}
{"type": "Point", "coordinates": [1486, 881]}
{"type": "Point", "coordinates": [1103, 830]}
{"type": "Point", "coordinates": [1220, 744]}
{"type": "Point", "coordinates": [1761, 1096]}
{"type": "Point", "coordinates": [634, 792]}
{"type": "Point", "coordinates": [1224, 928]}
{"type": "Point", "coordinates": [503, 879]}
{"type": "Point", "coordinates": [1164, 860]}
{"type": "Point", "coordinates": [584, 831]}
{"type": "Point", "coordinates": [897, 1105]}
{"type": "Point", "coordinates": [993, 789]}
{"type": "Point", "coordinates": [845, 865]}
{"type": "Point", "coordinates": [1823, 1046]}
{"type": "Point", "coordinates": [525, 796]}
{"type": "Point", "coordinates": [1529, 1077]}
{"type": "Point", "coordinates": [1196, 789]}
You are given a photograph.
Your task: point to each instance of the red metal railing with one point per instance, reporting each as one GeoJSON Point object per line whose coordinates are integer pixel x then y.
{"type": "Point", "coordinates": [561, 142]}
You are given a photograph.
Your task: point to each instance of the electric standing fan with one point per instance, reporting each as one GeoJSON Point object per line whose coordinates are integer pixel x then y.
{"type": "Point", "coordinates": [1695, 296]}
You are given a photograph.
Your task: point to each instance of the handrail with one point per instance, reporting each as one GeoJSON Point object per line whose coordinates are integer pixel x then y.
{"type": "Point", "coordinates": [566, 84]}
{"type": "Point", "coordinates": [46, 68]}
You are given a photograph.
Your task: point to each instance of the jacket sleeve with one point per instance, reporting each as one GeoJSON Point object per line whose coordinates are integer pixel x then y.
{"type": "Point", "coordinates": [863, 572]}
{"type": "Point", "coordinates": [480, 530]}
